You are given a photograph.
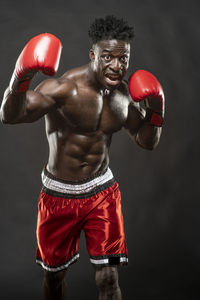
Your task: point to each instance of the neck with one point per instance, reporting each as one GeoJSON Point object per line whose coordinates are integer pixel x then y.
{"type": "Point", "coordinates": [104, 92]}
{"type": "Point", "coordinates": [93, 81]}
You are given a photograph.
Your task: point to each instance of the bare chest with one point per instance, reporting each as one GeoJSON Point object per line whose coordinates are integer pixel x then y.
{"type": "Point", "coordinates": [96, 112]}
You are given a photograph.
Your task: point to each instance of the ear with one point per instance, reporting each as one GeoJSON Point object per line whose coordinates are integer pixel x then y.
{"type": "Point", "coordinates": [91, 54]}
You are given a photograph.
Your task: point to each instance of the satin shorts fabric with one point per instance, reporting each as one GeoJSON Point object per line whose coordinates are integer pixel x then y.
{"type": "Point", "coordinates": [65, 209]}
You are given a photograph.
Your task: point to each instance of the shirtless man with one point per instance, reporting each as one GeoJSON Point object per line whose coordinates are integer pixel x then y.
{"type": "Point", "coordinates": [82, 109]}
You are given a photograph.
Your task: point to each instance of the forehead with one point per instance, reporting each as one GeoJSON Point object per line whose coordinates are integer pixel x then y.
{"type": "Point", "coordinates": [113, 46]}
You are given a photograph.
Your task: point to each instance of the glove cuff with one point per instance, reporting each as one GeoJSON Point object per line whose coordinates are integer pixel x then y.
{"type": "Point", "coordinates": [154, 118]}
{"type": "Point", "coordinates": [20, 85]}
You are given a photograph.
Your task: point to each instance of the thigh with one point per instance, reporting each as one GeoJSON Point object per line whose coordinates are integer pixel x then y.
{"type": "Point", "coordinates": [58, 233]}
{"type": "Point", "coordinates": [104, 227]}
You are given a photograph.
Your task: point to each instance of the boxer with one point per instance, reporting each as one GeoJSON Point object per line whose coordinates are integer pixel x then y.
{"type": "Point", "coordinates": [83, 109]}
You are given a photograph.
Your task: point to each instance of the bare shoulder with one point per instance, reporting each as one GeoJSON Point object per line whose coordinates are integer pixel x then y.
{"type": "Point", "coordinates": [76, 75]}
{"type": "Point", "coordinates": [135, 112]}
{"type": "Point", "coordinates": [57, 88]}
{"type": "Point", "coordinates": [125, 91]}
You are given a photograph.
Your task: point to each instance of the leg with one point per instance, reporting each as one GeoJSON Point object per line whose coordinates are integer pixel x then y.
{"type": "Point", "coordinates": [107, 283]}
{"type": "Point", "coordinates": [54, 285]}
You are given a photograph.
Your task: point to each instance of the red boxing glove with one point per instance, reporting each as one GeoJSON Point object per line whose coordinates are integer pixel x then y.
{"type": "Point", "coordinates": [144, 86]}
{"type": "Point", "coordinates": [42, 53]}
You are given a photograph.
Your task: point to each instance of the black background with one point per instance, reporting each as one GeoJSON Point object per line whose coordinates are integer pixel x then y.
{"type": "Point", "coordinates": [160, 188]}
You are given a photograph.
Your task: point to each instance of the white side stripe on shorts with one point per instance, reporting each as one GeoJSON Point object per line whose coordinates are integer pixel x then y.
{"type": "Point", "coordinates": [106, 260]}
{"type": "Point", "coordinates": [56, 269]}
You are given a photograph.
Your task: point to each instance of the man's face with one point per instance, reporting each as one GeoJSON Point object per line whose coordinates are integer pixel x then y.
{"type": "Point", "coordinates": [110, 60]}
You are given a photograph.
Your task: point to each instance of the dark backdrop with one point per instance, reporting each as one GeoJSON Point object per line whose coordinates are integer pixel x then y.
{"type": "Point", "coordinates": [160, 188]}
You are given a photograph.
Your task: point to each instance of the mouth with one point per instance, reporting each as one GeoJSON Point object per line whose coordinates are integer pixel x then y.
{"type": "Point", "coordinates": [113, 79]}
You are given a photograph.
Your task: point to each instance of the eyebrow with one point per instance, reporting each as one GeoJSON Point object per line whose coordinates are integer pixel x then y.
{"type": "Point", "coordinates": [105, 50]}
{"type": "Point", "coordinates": [109, 51]}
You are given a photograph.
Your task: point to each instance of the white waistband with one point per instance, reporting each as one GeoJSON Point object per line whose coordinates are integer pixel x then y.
{"type": "Point", "coordinates": [86, 187]}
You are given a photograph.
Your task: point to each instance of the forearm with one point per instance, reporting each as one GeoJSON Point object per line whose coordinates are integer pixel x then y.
{"type": "Point", "coordinates": [12, 107]}
{"type": "Point", "coordinates": [41, 53]}
{"type": "Point", "coordinates": [148, 136]}
{"type": "Point", "coordinates": [144, 86]}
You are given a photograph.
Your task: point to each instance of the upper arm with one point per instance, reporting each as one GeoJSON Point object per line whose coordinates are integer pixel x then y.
{"type": "Point", "coordinates": [53, 92]}
{"type": "Point", "coordinates": [48, 95]}
{"type": "Point", "coordinates": [32, 105]}
{"type": "Point", "coordinates": [56, 88]}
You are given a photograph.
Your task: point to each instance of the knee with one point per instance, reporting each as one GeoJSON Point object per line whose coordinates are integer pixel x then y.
{"type": "Point", "coordinates": [107, 279]}
{"type": "Point", "coordinates": [54, 280]}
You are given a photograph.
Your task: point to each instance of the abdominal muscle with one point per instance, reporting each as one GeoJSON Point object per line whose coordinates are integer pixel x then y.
{"type": "Point", "coordinates": [78, 156]}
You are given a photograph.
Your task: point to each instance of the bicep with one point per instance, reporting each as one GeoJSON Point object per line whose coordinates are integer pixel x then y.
{"type": "Point", "coordinates": [49, 95]}
{"type": "Point", "coordinates": [43, 99]}
{"type": "Point", "coordinates": [56, 89]}
{"type": "Point", "coordinates": [36, 101]}
{"type": "Point", "coordinates": [26, 107]}
{"type": "Point", "coordinates": [35, 106]}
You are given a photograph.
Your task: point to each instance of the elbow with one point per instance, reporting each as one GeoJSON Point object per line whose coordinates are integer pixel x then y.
{"type": "Point", "coordinates": [6, 122]}
{"type": "Point", "coordinates": [147, 145]}
{"type": "Point", "coordinates": [4, 119]}
{"type": "Point", "coordinates": [150, 147]}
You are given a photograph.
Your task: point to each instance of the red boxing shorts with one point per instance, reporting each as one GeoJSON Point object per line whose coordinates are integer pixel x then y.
{"type": "Point", "coordinates": [66, 208]}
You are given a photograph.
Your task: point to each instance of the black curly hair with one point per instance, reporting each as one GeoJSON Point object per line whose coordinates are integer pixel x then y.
{"type": "Point", "coordinates": [110, 28]}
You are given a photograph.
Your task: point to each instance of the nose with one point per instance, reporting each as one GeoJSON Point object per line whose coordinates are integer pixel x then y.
{"type": "Point", "coordinates": [115, 65]}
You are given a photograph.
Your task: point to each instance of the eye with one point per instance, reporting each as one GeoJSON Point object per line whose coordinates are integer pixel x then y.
{"type": "Point", "coordinates": [124, 59]}
{"type": "Point", "coordinates": [107, 57]}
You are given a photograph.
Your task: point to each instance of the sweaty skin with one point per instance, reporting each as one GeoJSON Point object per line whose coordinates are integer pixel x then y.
{"type": "Point", "coordinates": [82, 110]}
